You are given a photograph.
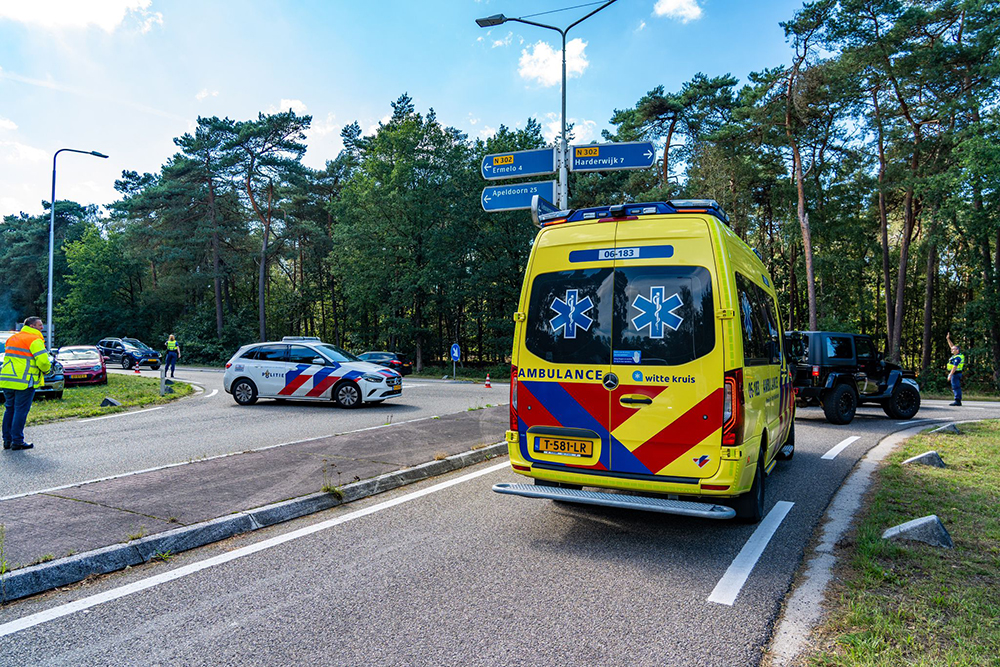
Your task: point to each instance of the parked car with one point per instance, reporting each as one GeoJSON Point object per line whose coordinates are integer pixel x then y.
{"type": "Point", "coordinates": [128, 352]}
{"type": "Point", "coordinates": [54, 380]}
{"type": "Point", "coordinates": [393, 360]}
{"type": "Point", "coordinates": [302, 368]}
{"type": "Point", "coordinates": [840, 371]}
{"type": "Point", "coordinates": [82, 364]}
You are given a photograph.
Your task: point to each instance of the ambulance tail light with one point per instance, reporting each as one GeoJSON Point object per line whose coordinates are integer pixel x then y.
{"type": "Point", "coordinates": [513, 398]}
{"type": "Point", "coordinates": [732, 408]}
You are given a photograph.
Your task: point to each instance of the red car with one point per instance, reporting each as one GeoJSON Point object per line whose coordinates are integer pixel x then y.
{"type": "Point", "coordinates": [82, 364]}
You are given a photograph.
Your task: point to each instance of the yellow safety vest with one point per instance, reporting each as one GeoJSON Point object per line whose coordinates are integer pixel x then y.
{"type": "Point", "coordinates": [171, 346]}
{"type": "Point", "coordinates": [957, 362]}
{"type": "Point", "coordinates": [25, 360]}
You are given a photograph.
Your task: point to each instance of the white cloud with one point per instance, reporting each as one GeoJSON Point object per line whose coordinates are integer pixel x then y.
{"type": "Point", "coordinates": [583, 131]}
{"type": "Point", "coordinates": [324, 127]}
{"type": "Point", "coordinates": [373, 127]}
{"type": "Point", "coordinates": [543, 63]}
{"type": "Point", "coordinates": [487, 131]}
{"type": "Point", "coordinates": [204, 92]}
{"type": "Point", "coordinates": [641, 27]}
{"type": "Point", "coordinates": [7, 124]}
{"type": "Point", "coordinates": [682, 10]}
{"type": "Point", "coordinates": [15, 151]}
{"type": "Point", "coordinates": [503, 42]}
{"type": "Point", "coordinates": [472, 119]}
{"type": "Point", "coordinates": [298, 106]}
{"type": "Point", "coordinates": [107, 15]}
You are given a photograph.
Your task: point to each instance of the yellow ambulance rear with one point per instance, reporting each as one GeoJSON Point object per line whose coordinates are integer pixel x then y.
{"type": "Point", "coordinates": [647, 369]}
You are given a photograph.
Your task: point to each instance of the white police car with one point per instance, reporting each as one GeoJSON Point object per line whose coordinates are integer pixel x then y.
{"type": "Point", "coordinates": [303, 368]}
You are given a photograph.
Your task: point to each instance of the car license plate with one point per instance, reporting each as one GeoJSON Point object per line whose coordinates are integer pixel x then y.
{"type": "Point", "coordinates": [77, 377]}
{"type": "Point", "coordinates": [397, 389]}
{"type": "Point", "coordinates": [565, 446]}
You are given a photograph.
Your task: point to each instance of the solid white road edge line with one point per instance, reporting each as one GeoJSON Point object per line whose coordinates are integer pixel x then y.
{"type": "Point", "coordinates": [107, 596]}
{"type": "Point", "coordinates": [207, 458]}
{"type": "Point", "coordinates": [844, 444]}
{"type": "Point", "coordinates": [121, 414]}
{"type": "Point", "coordinates": [214, 392]}
{"type": "Point", "coordinates": [732, 581]}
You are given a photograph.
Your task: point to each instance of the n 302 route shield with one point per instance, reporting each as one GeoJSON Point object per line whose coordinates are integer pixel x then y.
{"type": "Point", "coordinates": [516, 196]}
{"type": "Point", "coordinates": [611, 157]}
{"type": "Point", "coordinates": [519, 164]}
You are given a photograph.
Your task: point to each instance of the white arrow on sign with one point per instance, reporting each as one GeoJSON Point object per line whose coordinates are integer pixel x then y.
{"type": "Point", "coordinates": [648, 155]}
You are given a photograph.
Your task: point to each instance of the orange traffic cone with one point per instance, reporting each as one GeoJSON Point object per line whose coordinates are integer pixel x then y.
{"type": "Point", "coordinates": [137, 369]}
{"type": "Point", "coordinates": [488, 385]}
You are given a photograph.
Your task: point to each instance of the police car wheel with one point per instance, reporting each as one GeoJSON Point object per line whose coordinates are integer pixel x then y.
{"type": "Point", "coordinates": [347, 395]}
{"type": "Point", "coordinates": [155, 367]}
{"type": "Point", "coordinates": [244, 392]}
{"type": "Point", "coordinates": [126, 363]}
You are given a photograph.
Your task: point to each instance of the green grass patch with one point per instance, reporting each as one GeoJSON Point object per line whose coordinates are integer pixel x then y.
{"type": "Point", "coordinates": [909, 603]}
{"type": "Point", "coordinates": [85, 401]}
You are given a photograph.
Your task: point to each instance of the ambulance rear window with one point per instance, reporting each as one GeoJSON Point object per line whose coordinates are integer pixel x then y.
{"type": "Point", "coordinates": [663, 315]}
{"type": "Point", "coordinates": [569, 316]}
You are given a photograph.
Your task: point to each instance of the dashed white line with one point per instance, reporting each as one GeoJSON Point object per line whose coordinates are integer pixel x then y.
{"type": "Point", "coordinates": [844, 444]}
{"type": "Point", "coordinates": [732, 581]}
{"type": "Point", "coordinates": [32, 620]}
{"type": "Point", "coordinates": [122, 414]}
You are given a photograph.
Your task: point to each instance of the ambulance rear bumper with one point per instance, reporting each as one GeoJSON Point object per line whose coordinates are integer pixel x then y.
{"type": "Point", "coordinates": [625, 501]}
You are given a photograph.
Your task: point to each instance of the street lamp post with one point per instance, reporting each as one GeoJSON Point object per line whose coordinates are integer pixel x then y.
{"type": "Point", "coordinates": [500, 19]}
{"type": "Point", "coordinates": [52, 235]}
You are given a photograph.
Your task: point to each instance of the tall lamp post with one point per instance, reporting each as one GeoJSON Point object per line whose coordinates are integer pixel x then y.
{"type": "Point", "coordinates": [52, 236]}
{"type": "Point", "coordinates": [500, 19]}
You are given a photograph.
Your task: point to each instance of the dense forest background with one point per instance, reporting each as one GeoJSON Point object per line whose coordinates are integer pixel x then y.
{"type": "Point", "coordinates": [865, 169]}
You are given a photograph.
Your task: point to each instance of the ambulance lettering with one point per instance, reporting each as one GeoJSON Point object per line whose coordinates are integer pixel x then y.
{"type": "Point", "coordinates": [571, 314]}
{"type": "Point", "coordinates": [656, 313]}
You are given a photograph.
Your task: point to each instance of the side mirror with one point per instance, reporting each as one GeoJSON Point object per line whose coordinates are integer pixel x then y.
{"type": "Point", "coordinates": [105, 357]}
{"type": "Point", "coordinates": [319, 361]}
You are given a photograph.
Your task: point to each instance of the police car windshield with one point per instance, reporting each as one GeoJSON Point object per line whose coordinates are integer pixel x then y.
{"type": "Point", "coordinates": [136, 343]}
{"type": "Point", "coordinates": [334, 353]}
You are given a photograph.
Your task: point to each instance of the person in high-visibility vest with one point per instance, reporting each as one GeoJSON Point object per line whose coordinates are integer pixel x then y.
{"type": "Point", "coordinates": [173, 354]}
{"type": "Point", "coordinates": [956, 364]}
{"type": "Point", "coordinates": [25, 363]}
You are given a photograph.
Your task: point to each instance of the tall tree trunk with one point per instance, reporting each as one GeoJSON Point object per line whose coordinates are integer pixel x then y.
{"type": "Point", "coordinates": [216, 261]}
{"type": "Point", "coordinates": [884, 224]}
{"type": "Point", "coordinates": [931, 277]}
{"type": "Point", "coordinates": [262, 278]}
{"type": "Point", "coordinates": [666, 153]}
{"type": "Point", "coordinates": [803, 216]}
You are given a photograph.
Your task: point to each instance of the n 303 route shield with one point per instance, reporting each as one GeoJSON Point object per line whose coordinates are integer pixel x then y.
{"type": "Point", "coordinates": [518, 164]}
{"type": "Point", "coordinates": [516, 196]}
{"type": "Point", "coordinates": [611, 157]}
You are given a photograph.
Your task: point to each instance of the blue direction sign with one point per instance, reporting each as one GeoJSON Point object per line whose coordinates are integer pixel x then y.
{"type": "Point", "coordinates": [456, 352]}
{"type": "Point", "coordinates": [519, 164]}
{"type": "Point", "coordinates": [610, 157]}
{"type": "Point", "coordinates": [516, 196]}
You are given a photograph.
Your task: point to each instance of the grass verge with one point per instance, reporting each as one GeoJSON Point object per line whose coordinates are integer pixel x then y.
{"type": "Point", "coordinates": [910, 603]}
{"type": "Point", "coordinates": [85, 401]}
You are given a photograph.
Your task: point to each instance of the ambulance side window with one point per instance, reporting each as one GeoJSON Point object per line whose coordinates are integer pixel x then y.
{"type": "Point", "coordinates": [760, 331]}
{"type": "Point", "coordinates": [569, 316]}
{"type": "Point", "coordinates": [664, 315]}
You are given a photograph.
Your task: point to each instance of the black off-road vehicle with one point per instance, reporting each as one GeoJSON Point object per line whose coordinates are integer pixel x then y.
{"type": "Point", "coordinates": [840, 371]}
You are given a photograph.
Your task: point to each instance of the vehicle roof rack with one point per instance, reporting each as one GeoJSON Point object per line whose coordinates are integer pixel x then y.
{"type": "Point", "coordinates": [291, 339]}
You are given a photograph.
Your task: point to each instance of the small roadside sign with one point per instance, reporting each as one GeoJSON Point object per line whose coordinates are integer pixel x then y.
{"type": "Point", "coordinates": [611, 157]}
{"type": "Point", "coordinates": [516, 195]}
{"type": "Point", "coordinates": [519, 163]}
{"type": "Point", "coordinates": [456, 352]}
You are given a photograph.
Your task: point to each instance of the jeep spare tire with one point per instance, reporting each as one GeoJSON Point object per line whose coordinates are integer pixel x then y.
{"type": "Point", "coordinates": [840, 404]}
{"type": "Point", "coordinates": [904, 402]}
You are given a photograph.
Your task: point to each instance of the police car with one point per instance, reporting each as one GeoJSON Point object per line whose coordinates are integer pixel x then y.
{"type": "Point", "coordinates": [305, 368]}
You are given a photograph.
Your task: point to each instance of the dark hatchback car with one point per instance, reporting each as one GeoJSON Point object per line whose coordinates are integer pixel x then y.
{"type": "Point", "coordinates": [128, 352]}
{"type": "Point", "coordinates": [393, 360]}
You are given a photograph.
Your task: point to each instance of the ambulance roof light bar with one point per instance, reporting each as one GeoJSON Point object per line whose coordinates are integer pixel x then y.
{"type": "Point", "coordinates": [700, 205]}
{"type": "Point", "coordinates": [544, 212]}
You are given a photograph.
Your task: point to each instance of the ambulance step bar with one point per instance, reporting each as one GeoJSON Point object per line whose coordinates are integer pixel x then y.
{"type": "Point", "coordinates": [662, 505]}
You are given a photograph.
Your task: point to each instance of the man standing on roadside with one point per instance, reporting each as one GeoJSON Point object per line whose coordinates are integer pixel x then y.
{"type": "Point", "coordinates": [955, 366]}
{"type": "Point", "coordinates": [173, 354]}
{"type": "Point", "coordinates": [25, 363]}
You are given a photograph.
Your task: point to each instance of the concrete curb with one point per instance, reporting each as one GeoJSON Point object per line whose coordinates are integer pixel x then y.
{"type": "Point", "coordinates": [35, 579]}
{"type": "Point", "coordinates": [803, 607]}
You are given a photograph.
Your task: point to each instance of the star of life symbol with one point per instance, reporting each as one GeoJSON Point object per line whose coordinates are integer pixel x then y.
{"type": "Point", "coordinates": [657, 312]}
{"type": "Point", "coordinates": [571, 314]}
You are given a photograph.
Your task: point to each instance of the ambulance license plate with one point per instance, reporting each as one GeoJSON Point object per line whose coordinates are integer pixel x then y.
{"type": "Point", "coordinates": [565, 446]}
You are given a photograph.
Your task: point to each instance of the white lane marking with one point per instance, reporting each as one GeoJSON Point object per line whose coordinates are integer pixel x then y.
{"type": "Point", "coordinates": [32, 620]}
{"type": "Point", "coordinates": [732, 581]}
{"type": "Point", "coordinates": [121, 414]}
{"type": "Point", "coordinates": [844, 444]}
{"type": "Point", "coordinates": [207, 458]}
{"type": "Point", "coordinates": [214, 392]}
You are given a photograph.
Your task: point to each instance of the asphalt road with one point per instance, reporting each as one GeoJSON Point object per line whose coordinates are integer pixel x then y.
{"type": "Point", "coordinates": [447, 572]}
{"type": "Point", "coordinates": [210, 423]}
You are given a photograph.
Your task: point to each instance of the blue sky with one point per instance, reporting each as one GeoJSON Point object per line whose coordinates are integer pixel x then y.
{"type": "Point", "coordinates": [125, 77]}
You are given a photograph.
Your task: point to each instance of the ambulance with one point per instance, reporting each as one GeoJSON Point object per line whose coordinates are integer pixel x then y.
{"type": "Point", "coordinates": [647, 369]}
